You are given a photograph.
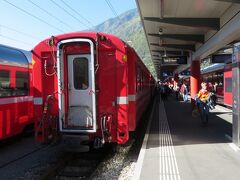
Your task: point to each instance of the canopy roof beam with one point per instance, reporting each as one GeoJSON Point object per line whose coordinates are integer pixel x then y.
{"type": "Point", "coordinates": [190, 47]}
{"type": "Point", "coordinates": [232, 1]}
{"type": "Point", "coordinates": [185, 37]}
{"type": "Point", "coordinates": [210, 23]}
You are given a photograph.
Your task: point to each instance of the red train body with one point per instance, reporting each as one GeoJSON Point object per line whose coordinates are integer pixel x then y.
{"type": "Point", "coordinates": [16, 99]}
{"type": "Point", "coordinates": [88, 83]}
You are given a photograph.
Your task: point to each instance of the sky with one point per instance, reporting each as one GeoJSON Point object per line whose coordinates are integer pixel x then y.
{"type": "Point", "coordinates": [24, 23]}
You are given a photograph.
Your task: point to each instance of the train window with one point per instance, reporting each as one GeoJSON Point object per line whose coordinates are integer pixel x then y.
{"type": "Point", "coordinates": [138, 79]}
{"type": "Point", "coordinates": [228, 85]}
{"type": "Point", "coordinates": [5, 89]}
{"type": "Point", "coordinates": [80, 73]}
{"type": "Point", "coordinates": [22, 83]}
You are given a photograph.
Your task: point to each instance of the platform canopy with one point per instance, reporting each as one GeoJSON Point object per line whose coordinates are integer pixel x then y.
{"type": "Point", "coordinates": [192, 28]}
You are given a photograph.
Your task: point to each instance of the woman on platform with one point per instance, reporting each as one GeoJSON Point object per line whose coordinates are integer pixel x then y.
{"type": "Point", "coordinates": [203, 96]}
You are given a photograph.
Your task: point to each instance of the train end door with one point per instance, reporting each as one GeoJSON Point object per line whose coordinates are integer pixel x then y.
{"type": "Point", "coordinates": [77, 111]}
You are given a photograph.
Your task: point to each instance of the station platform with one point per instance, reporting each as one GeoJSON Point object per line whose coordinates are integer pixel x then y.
{"type": "Point", "coordinates": [176, 146]}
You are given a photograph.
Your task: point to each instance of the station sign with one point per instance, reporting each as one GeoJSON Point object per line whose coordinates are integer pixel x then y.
{"type": "Point", "coordinates": [221, 58]}
{"type": "Point", "coordinates": [174, 60]}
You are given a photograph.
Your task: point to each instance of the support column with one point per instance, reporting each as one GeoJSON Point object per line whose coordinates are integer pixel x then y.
{"type": "Point", "coordinates": [194, 78]}
{"type": "Point", "coordinates": [236, 94]}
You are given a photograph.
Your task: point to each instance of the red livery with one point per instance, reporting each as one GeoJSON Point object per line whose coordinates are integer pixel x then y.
{"type": "Point", "coordinates": [16, 100]}
{"type": "Point", "coordinates": [88, 83]}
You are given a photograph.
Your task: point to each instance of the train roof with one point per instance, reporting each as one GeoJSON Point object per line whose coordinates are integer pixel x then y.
{"type": "Point", "coordinates": [212, 68]}
{"type": "Point", "coordinates": [14, 57]}
{"type": "Point", "coordinates": [116, 41]}
{"type": "Point", "coordinates": [80, 34]}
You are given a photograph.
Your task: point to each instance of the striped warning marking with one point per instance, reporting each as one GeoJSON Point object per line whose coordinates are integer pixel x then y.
{"type": "Point", "coordinates": [140, 160]}
{"type": "Point", "coordinates": [168, 162]}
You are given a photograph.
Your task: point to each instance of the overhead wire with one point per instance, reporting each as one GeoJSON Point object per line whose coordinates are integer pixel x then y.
{"type": "Point", "coordinates": [13, 39]}
{"type": "Point", "coordinates": [69, 13]}
{"type": "Point", "coordinates": [112, 8]}
{"type": "Point", "coordinates": [26, 12]}
{"type": "Point", "coordinates": [77, 13]}
{"type": "Point", "coordinates": [59, 20]}
{"type": "Point", "coordinates": [19, 32]}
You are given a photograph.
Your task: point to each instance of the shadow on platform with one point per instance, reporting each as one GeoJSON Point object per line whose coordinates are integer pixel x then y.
{"type": "Point", "coordinates": [186, 129]}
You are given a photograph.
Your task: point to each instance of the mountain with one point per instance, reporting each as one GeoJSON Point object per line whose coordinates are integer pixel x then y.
{"type": "Point", "coordinates": [129, 28]}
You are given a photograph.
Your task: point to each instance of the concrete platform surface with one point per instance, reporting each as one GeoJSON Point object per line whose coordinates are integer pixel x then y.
{"type": "Point", "coordinates": [178, 147]}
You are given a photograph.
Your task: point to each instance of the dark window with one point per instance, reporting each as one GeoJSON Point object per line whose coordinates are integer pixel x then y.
{"type": "Point", "coordinates": [228, 85]}
{"type": "Point", "coordinates": [22, 83]}
{"type": "Point", "coordinates": [5, 89]}
{"type": "Point", "coordinates": [139, 79]}
{"type": "Point", "coordinates": [80, 73]}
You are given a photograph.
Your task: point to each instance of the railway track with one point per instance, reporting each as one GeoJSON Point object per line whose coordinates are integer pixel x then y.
{"type": "Point", "coordinates": [76, 165]}
{"type": "Point", "coordinates": [14, 141]}
{"type": "Point", "coordinates": [24, 155]}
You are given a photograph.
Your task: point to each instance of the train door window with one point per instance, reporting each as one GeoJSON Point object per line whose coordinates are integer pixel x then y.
{"type": "Point", "coordinates": [80, 72]}
{"type": "Point", "coordinates": [144, 81]}
{"type": "Point", "coordinates": [228, 85]}
{"type": "Point", "coordinates": [22, 83]}
{"type": "Point", "coordinates": [5, 89]}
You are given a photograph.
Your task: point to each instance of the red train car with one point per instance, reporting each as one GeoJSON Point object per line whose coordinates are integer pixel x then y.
{"type": "Point", "coordinates": [140, 88]}
{"type": "Point", "coordinates": [88, 83]}
{"type": "Point", "coordinates": [16, 99]}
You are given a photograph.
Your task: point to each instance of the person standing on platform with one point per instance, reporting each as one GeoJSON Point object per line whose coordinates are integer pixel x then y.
{"type": "Point", "coordinates": [184, 92]}
{"type": "Point", "coordinates": [203, 96]}
{"type": "Point", "coordinates": [176, 89]}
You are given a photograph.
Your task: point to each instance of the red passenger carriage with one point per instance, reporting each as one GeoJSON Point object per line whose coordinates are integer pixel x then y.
{"type": "Point", "coordinates": [88, 83]}
{"type": "Point", "coordinates": [16, 100]}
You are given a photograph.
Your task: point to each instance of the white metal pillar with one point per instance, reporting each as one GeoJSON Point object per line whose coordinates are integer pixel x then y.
{"type": "Point", "coordinates": [236, 94]}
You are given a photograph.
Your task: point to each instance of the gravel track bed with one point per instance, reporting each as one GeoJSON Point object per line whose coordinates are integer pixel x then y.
{"type": "Point", "coordinates": [118, 165]}
{"type": "Point", "coordinates": [24, 159]}
{"type": "Point", "coordinates": [121, 164]}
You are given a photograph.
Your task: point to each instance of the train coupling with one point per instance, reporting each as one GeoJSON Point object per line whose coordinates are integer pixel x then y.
{"type": "Point", "coordinates": [97, 143]}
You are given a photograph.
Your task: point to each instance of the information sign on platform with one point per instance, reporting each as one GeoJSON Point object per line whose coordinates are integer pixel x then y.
{"type": "Point", "coordinates": [174, 60]}
{"type": "Point", "coordinates": [221, 58]}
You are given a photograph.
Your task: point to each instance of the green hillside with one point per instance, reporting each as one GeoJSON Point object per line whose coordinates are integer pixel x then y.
{"type": "Point", "coordinates": [128, 27]}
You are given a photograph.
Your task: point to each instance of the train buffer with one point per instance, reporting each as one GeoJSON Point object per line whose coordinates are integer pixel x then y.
{"type": "Point", "coordinates": [176, 146]}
